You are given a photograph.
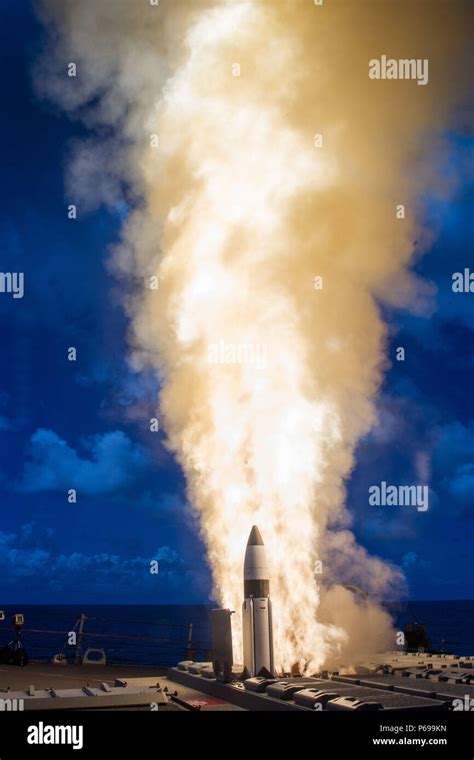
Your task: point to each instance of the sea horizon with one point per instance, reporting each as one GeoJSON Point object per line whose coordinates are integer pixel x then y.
{"type": "Point", "coordinates": [164, 634]}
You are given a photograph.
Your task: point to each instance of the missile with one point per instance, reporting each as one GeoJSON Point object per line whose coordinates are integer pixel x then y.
{"type": "Point", "coordinates": [257, 610]}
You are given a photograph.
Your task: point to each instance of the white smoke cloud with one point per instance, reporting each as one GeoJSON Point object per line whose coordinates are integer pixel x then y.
{"type": "Point", "coordinates": [237, 212]}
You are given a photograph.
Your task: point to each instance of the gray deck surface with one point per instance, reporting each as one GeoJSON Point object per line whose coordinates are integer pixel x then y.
{"type": "Point", "coordinates": [392, 691]}
{"type": "Point", "coordinates": [46, 675]}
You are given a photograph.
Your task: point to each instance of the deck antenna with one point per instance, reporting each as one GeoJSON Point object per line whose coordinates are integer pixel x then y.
{"type": "Point", "coordinates": [81, 621]}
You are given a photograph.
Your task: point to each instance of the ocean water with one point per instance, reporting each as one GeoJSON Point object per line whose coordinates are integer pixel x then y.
{"type": "Point", "coordinates": [136, 634]}
{"type": "Point", "coordinates": [449, 624]}
{"type": "Point", "coordinates": [160, 634]}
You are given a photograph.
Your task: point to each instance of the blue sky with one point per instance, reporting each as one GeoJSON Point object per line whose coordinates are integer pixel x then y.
{"type": "Point", "coordinates": [75, 425]}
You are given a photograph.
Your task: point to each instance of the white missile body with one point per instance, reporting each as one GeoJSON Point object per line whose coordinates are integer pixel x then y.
{"type": "Point", "coordinates": [257, 609]}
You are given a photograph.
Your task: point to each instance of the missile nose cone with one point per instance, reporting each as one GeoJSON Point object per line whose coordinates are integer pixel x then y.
{"type": "Point", "coordinates": [255, 538]}
{"type": "Point", "coordinates": [255, 565]}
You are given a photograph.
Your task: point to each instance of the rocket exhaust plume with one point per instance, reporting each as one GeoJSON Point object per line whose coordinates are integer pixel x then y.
{"type": "Point", "coordinates": [272, 249]}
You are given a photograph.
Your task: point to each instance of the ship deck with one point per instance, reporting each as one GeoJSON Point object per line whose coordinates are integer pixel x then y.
{"type": "Point", "coordinates": [46, 675]}
{"type": "Point", "coordinates": [413, 682]}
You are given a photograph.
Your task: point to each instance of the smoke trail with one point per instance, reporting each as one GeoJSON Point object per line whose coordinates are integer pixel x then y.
{"type": "Point", "coordinates": [268, 380]}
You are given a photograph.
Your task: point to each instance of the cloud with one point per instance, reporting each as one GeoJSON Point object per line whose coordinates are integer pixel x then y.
{"type": "Point", "coordinates": [415, 566]}
{"type": "Point", "coordinates": [163, 503]}
{"type": "Point", "coordinates": [7, 424]}
{"type": "Point", "coordinates": [114, 564]}
{"type": "Point", "coordinates": [462, 484]}
{"type": "Point", "coordinates": [455, 443]}
{"type": "Point", "coordinates": [21, 557]}
{"type": "Point", "coordinates": [409, 559]}
{"type": "Point", "coordinates": [113, 462]}
{"type": "Point", "coordinates": [21, 561]}
{"type": "Point", "coordinates": [453, 457]}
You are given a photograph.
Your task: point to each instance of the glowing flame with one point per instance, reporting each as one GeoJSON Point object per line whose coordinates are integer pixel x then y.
{"type": "Point", "coordinates": [252, 436]}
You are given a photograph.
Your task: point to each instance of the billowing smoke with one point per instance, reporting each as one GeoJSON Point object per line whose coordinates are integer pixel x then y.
{"type": "Point", "coordinates": [272, 248]}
